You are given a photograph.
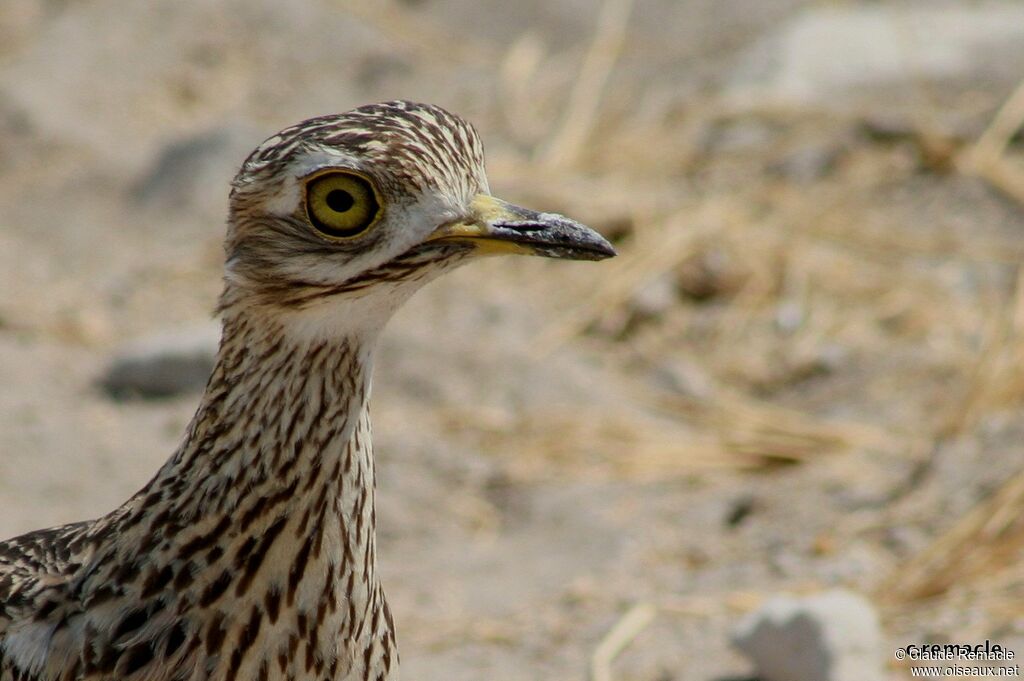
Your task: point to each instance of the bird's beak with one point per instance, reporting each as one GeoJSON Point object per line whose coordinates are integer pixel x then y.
{"type": "Point", "coordinates": [495, 227]}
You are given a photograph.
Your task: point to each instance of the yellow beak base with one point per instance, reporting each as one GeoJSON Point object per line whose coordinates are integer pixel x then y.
{"type": "Point", "coordinates": [495, 227]}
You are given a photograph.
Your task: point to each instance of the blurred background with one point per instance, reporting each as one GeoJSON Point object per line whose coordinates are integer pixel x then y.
{"type": "Point", "coordinates": [805, 370]}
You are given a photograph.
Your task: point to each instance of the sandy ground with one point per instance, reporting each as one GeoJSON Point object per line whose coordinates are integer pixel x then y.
{"type": "Point", "coordinates": [803, 372]}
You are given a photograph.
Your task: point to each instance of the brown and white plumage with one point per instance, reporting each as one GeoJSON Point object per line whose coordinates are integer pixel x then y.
{"type": "Point", "coordinates": [250, 555]}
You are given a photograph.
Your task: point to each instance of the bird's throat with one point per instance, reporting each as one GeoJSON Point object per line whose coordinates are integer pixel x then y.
{"type": "Point", "coordinates": [265, 515]}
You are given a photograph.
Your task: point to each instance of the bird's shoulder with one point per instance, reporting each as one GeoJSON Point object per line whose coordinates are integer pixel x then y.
{"type": "Point", "coordinates": [37, 567]}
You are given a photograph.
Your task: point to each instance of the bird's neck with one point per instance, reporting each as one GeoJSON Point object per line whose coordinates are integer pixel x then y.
{"type": "Point", "coordinates": [280, 413]}
{"type": "Point", "coordinates": [266, 512]}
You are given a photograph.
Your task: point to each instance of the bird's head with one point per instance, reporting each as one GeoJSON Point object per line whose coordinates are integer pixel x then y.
{"type": "Point", "coordinates": [338, 219]}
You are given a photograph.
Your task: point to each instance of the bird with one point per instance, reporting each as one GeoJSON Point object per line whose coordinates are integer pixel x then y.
{"type": "Point", "coordinates": [251, 552]}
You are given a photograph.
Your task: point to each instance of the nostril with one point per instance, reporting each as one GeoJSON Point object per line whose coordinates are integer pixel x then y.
{"type": "Point", "coordinates": [522, 226]}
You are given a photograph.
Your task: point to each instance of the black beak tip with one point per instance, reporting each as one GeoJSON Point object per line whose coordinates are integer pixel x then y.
{"type": "Point", "coordinates": [555, 236]}
{"type": "Point", "coordinates": [593, 246]}
{"type": "Point", "coordinates": [602, 252]}
{"type": "Point", "coordinates": [607, 251]}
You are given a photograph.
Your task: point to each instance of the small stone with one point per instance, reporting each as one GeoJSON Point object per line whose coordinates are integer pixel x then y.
{"type": "Point", "coordinates": [789, 316]}
{"type": "Point", "coordinates": [739, 136]}
{"type": "Point", "coordinates": [832, 636]}
{"type": "Point", "coordinates": [163, 365]}
{"type": "Point", "coordinates": [740, 510]}
{"type": "Point", "coordinates": [648, 304]}
{"type": "Point", "coordinates": [683, 377]}
{"type": "Point", "coordinates": [887, 127]}
{"type": "Point", "coordinates": [807, 164]}
{"type": "Point", "coordinates": [654, 299]}
{"type": "Point", "coordinates": [709, 274]}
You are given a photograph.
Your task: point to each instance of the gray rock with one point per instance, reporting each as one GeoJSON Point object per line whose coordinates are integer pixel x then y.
{"type": "Point", "coordinates": [743, 135]}
{"type": "Point", "coordinates": [191, 171]}
{"type": "Point", "coordinates": [683, 376]}
{"type": "Point", "coordinates": [163, 365]}
{"type": "Point", "coordinates": [833, 636]}
{"type": "Point", "coordinates": [808, 163]}
{"type": "Point", "coordinates": [828, 56]}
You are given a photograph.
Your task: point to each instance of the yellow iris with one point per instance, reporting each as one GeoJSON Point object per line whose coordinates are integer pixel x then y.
{"type": "Point", "coordinates": [341, 205]}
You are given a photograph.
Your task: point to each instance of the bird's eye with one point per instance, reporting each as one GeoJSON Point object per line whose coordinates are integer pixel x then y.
{"type": "Point", "coordinates": [341, 205]}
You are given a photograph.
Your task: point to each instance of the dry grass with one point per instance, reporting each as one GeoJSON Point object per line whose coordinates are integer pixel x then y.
{"type": "Point", "coordinates": [779, 289]}
{"type": "Point", "coordinates": [827, 264]}
{"type": "Point", "coordinates": [977, 548]}
{"type": "Point", "coordinates": [986, 158]}
{"type": "Point", "coordinates": [849, 277]}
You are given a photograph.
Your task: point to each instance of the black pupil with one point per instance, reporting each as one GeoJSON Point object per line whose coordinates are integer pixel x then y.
{"type": "Point", "coordinates": [339, 200]}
